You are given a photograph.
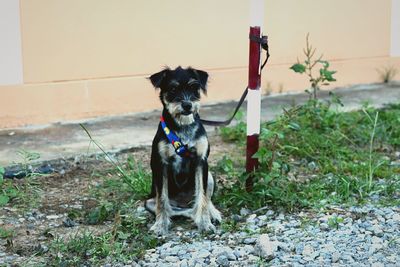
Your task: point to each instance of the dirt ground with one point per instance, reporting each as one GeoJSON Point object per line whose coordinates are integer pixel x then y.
{"type": "Point", "coordinates": [44, 216]}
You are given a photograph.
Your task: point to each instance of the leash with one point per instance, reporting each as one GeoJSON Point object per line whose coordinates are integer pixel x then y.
{"type": "Point", "coordinates": [263, 41]}
{"type": "Point", "coordinates": [180, 148]}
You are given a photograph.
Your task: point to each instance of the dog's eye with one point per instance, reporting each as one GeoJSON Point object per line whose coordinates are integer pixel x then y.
{"type": "Point", "coordinates": [194, 86]}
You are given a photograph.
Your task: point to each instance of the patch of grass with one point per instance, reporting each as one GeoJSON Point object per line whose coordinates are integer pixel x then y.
{"type": "Point", "coordinates": [117, 195]}
{"type": "Point", "coordinates": [133, 174]}
{"type": "Point", "coordinates": [312, 156]}
{"type": "Point", "coordinates": [127, 240]}
{"type": "Point", "coordinates": [8, 190]}
{"type": "Point", "coordinates": [114, 193]}
{"type": "Point", "coordinates": [235, 134]}
{"type": "Point", "coordinates": [19, 193]}
{"type": "Point", "coordinates": [6, 233]}
{"type": "Point", "coordinates": [306, 221]}
{"type": "Point", "coordinates": [230, 226]}
{"type": "Point", "coordinates": [116, 204]}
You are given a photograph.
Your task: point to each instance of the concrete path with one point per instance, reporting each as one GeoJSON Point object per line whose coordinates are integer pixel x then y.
{"type": "Point", "coordinates": [65, 140]}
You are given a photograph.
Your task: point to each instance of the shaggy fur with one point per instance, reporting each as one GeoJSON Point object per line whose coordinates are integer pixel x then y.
{"type": "Point", "coordinates": [181, 185]}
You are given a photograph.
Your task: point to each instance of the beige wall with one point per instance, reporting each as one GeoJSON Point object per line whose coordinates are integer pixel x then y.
{"type": "Point", "coordinates": [88, 58]}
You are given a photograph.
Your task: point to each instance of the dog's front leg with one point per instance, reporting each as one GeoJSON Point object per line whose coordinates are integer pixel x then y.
{"type": "Point", "coordinates": [163, 207]}
{"type": "Point", "coordinates": [214, 213]}
{"type": "Point", "coordinates": [201, 211]}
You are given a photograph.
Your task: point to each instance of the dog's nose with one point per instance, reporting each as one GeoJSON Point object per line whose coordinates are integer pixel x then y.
{"type": "Point", "coordinates": [186, 105]}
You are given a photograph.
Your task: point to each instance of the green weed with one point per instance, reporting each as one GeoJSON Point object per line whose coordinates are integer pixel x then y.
{"type": "Point", "coordinates": [6, 233]}
{"type": "Point", "coordinates": [117, 195]}
{"type": "Point", "coordinates": [335, 221]}
{"type": "Point", "coordinates": [21, 193]}
{"type": "Point", "coordinates": [127, 240]}
{"type": "Point", "coordinates": [313, 156]}
{"type": "Point", "coordinates": [308, 66]}
{"type": "Point", "coordinates": [134, 176]}
{"type": "Point", "coordinates": [7, 190]}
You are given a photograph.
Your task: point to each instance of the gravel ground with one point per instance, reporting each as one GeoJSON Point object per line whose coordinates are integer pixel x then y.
{"type": "Point", "coordinates": [357, 236]}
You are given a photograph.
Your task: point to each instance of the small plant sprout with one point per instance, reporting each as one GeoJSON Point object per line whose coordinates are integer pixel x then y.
{"type": "Point", "coordinates": [324, 76]}
{"type": "Point", "coordinates": [335, 221]}
{"type": "Point", "coordinates": [387, 74]}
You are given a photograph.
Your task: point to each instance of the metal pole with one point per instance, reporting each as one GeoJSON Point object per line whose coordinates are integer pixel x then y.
{"type": "Point", "coordinates": [254, 94]}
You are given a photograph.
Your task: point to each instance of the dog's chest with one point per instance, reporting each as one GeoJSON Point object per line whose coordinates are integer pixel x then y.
{"type": "Point", "coordinates": [198, 147]}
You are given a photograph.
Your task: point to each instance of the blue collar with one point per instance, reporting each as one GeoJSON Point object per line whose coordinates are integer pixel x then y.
{"type": "Point", "coordinates": [175, 141]}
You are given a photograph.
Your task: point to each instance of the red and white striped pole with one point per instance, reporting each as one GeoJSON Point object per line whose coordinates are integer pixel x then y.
{"type": "Point", "coordinates": [254, 93]}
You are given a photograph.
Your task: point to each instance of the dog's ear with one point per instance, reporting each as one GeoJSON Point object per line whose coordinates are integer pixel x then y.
{"type": "Point", "coordinates": [202, 76]}
{"type": "Point", "coordinates": [157, 78]}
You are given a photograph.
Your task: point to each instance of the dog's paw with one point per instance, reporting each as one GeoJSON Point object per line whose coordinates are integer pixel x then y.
{"type": "Point", "coordinates": [159, 228]}
{"type": "Point", "coordinates": [206, 227]}
{"type": "Point", "coordinates": [204, 223]}
{"type": "Point", "coordinates": [215, 214]}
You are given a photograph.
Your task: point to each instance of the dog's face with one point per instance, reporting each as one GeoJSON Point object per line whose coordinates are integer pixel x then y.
{"type": "Point", "coordinates": [180, 91]}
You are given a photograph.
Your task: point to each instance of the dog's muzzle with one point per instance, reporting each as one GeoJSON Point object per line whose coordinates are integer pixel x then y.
{"type": "Point", "coordinates": [186, 108]}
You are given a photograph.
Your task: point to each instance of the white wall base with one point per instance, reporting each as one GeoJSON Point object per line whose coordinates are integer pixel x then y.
{"type": "Point", "coordinates": [10, 45]}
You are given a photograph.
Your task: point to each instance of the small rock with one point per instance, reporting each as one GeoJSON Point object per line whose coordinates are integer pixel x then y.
{"type": "Point", "coordinates": [252, 218]}
{"type": "Point", "coordinates": [171, 259]}
{"type": "Point", "coordinates": [265, 247]}
{"type": "Point", "coordinates": [270, 213]}
{"type": "Point", "coordinates": [244, 212]}
{"type": "Point", "coordinates": [222, 260]}
{"type": "Point", "coordinates": [184, 263]}
{"type": "Point", "coordinates": [239, 253]}
{"type": "Point", "coordinates": [236, 218]}
{"type": "Point", "coordinates": [287, 247]}
{"type": "Point", "coordinates": [262, 217]}
{"type": "Point", "coordinates": [307, 251]}
{"type": "Point", "coordinates": [41, 248]}
{"type": "Point", "coordinates": [324, 226]}
{"type": "Point", "coordinates": [202, 254]}
{"type": "Point", "coordinates": [299, 248]}
{"type": "Point", "coordinates": [249, 249]}
{"type": "Point", "coordinates": [312, 166]}
{"type": "Point", "coordinates": [31, 219]}
{"type": "Point", "coordinates": [335, 256]}
{"type": "Point", "coordinates": [376, 229]}
{"type": "Point", "coordinates": [69, 222]}
{"type": "Point", "coordinates": [396, 217]}
{"type": "Point", "coordinates": [249, 241]}
{"type": "Point", "coordinates": [375, 247]}
{"type": "Point", "coordinates": [376, 240]}
{"type": "Point", "coordinates": [52, 217]}
{"type": "Point", "coordinates": [395, 163]}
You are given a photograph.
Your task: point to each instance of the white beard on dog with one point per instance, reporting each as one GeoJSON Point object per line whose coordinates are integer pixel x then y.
{"type": "Point", "coordinates": [184, 119]}
{"type": "Point", "coordinates": [175, 110]}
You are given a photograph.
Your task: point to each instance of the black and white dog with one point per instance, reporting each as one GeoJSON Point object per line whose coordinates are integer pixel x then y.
{"type": "Point", "coordinates": [182, 184]}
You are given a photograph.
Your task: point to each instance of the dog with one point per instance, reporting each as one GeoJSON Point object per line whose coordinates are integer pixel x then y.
{"type": "Point", "coordinates": [181, 182]}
